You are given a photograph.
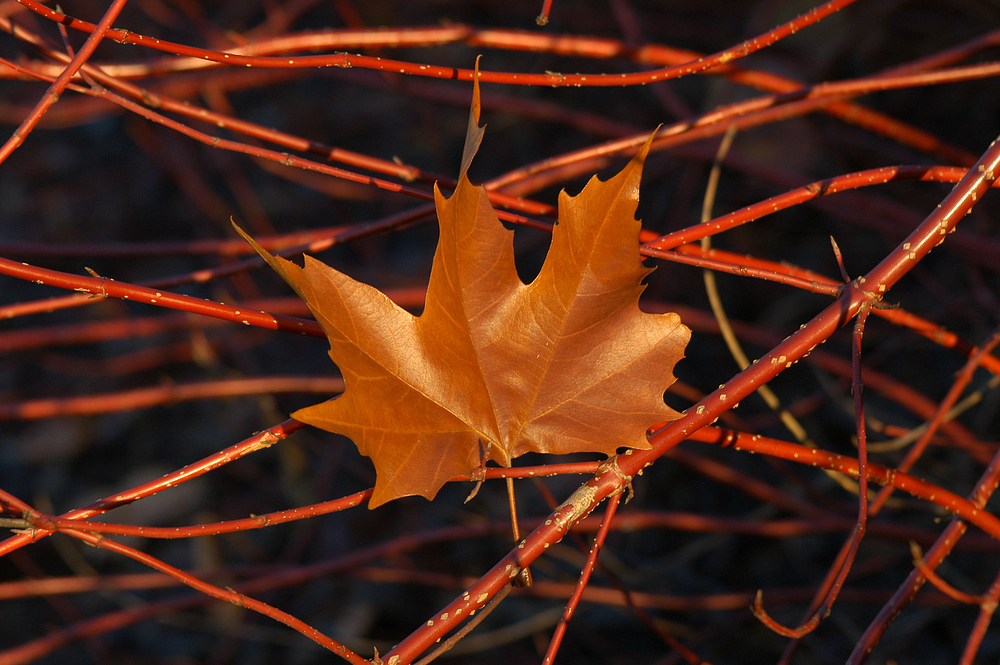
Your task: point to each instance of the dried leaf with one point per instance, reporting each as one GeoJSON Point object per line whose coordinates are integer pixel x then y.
{"type": "Point", "coordinates": [565, 364]}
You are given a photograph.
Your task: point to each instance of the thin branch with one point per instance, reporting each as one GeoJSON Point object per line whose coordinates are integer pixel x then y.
{"type": "Point", "coordinates": [581, 585]}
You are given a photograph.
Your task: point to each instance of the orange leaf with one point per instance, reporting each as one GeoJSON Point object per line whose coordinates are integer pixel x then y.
{"type": "Point", "coordinates": [565, 364]}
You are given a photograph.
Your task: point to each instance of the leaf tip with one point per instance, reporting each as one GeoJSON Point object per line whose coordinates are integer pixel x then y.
{"type": "Point", "coordinates": [474, 133]}
{"type": "Point", "coordinates": [640, 156]}
{"type": "Point", "coordinates": [283, 267]}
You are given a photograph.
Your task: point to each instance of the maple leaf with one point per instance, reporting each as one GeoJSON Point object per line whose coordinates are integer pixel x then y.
{"type": "Point", "coordinates": [495, 368]}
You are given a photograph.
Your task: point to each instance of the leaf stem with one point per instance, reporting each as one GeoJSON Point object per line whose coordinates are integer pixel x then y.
{"type": "Point", "coordinates": [523, 578]}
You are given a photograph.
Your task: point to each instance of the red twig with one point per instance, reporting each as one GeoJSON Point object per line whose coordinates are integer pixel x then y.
{"type": "Point", "coordinates": [987, 608]}
{"type": "Point", "coordinates": [234, 57]}
{"type": "Point", "coordinates": [581, 585]}
{"type": "Point", "coordinates": [228, 595]}
{"type": "Point", "coordinates": [252, 444]}
{"type": "Point", "coordinates": [104, 287]}
{"type": "Point", "coordinates": [984, 488]}
{"type": "Point", "coordinates": [51, 95]}
{"type": "Point", "coordinates": [812, 191]}
{"type": "Point", "coordinates": [962, 380]}
{"type": "Point", "coordinates": [842, 565]}
{"type": "Point", "coordinates": [967, 509]}
{"type": "Point", "coordinates": [939, 583]}
{"type": "Point", "coordinates": [143, 398]}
